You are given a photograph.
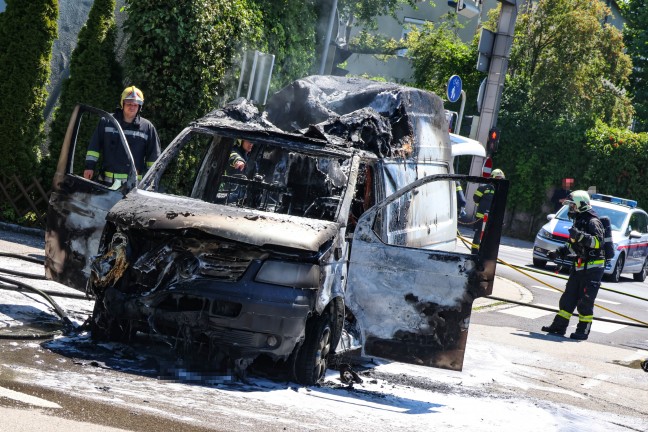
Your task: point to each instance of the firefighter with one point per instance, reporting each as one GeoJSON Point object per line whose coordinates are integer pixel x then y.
{"type": "Point", "coordinates": [585, 250]}
{"type": "Point", "coordinates": [140, 134]}
{"type": "Point", "coordinates": [461, 201]}
{"type": "Point", "coordinates": [483, 197]}
{"type": "Point", "coordinates": [239, 156]}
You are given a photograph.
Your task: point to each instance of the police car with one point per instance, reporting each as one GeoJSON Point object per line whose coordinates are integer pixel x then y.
{"type": "Point", "coordinates": [629, 235]}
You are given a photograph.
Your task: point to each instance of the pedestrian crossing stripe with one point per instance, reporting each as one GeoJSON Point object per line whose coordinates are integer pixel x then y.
{"type": "Point", "coordinates": [526, 312]}
{"type": "Point", "coordinates": [533, 313]}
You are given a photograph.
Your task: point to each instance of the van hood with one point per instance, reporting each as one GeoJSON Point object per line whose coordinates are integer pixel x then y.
{"type": "Point", "coordinates": [154, 211]}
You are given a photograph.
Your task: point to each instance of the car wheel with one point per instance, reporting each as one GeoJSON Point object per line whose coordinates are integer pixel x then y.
{"type": "Point", "coordinates": [641, 276]}
{"type": "Point", "coordinates": [539, 263]}
{"type": "Point", "coordinates": [616, 273]}
{"type": "Point", "coordinates": [312, 358]}
{"type": "Point", "coordinates": [103, 327]}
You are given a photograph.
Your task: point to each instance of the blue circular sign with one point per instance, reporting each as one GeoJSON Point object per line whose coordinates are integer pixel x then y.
{"type": "Point", "coordinates": [454, 88]}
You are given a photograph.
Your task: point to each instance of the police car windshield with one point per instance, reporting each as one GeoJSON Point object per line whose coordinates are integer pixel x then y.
{"type": "Point", "coordinates": [617, 217]}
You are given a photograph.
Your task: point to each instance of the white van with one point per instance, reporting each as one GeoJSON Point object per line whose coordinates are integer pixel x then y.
{"type": "Point", "coordinates": [341, 232]}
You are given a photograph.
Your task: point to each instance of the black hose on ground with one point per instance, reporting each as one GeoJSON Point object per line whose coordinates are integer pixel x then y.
{"type": "Point", "coordinates": [22, 257]}
{"type": "Point", "coordinates": [68, 325]}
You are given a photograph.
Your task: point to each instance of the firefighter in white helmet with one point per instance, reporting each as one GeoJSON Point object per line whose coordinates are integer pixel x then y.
{"type": "Point", "coordinates": [140, 133]}
{"type": "Point", "coordinates": [585, 250]}
{"type": "Point", "coordinates": [483, 197]}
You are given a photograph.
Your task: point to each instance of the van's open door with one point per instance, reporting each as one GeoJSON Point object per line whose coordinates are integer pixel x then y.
{"type": "Point", "coordinates": [78, 207]}
{"type": "Point", "coordinates": [413, 305]}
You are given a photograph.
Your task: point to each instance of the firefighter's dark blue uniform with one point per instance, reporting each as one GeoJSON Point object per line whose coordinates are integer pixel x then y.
{"type": "Point", "coordinates": [142, 139]}
{"type": "Point", "coordinates": [585, 248]}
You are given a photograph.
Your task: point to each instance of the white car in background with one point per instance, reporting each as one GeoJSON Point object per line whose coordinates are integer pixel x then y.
{"type": "Point", "coordinates": [629, 235]}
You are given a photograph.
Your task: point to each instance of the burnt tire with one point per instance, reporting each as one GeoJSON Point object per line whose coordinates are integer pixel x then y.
{"type": "Point", "coordinates": [618, 267]}
{"type": "Point", "coordinates": [641, 276]}
{"type": "Point", "coordinates": [104, 328]}
{"type": "Point", "coordinates": [312, 358]}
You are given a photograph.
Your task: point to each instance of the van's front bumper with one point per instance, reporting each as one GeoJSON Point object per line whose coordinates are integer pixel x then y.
{"type": "Point", "coordinates": [243, 318]}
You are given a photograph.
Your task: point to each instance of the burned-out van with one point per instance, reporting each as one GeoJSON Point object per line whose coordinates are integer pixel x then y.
{"type": "Point", "coordinates": [339, 232]}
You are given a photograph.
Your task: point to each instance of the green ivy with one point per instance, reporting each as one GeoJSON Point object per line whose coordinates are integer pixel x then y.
{"type": "Point", "coordinates": [95, 79]}
{"type": "Point", "coordinates": [184, 55]}
{"type": "Point", "coordinates": [27, 33]}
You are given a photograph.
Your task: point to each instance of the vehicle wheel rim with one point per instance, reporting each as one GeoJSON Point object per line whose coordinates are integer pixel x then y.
{"type": "Point", "coordinates": [322, 353]}
{"type": "Point", "coordinates": [619, 266]}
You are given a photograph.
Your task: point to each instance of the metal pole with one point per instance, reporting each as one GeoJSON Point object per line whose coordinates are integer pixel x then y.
{"type": "Point", "coordinates": [461, 111]}
{"type": "Point", "coordinates": [327, 43]}
{"type": "Point", "coordinates": [494, 84]}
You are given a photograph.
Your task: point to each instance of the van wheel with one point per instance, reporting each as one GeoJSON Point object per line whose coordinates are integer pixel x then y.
{"type": "Point", "coordinates": [641, 276]}
{"type": "Point", "coordinates": [616, 274]}
{"type": "Point", "coordinates": [539, 263]}
{"type": "Point", "coordinates": [312, 359]}
{"type": "Point", "coordinates": [104, 328]}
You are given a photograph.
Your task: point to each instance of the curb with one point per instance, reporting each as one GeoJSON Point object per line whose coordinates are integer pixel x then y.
{"type": "Point", "coordinates": [36, 232]}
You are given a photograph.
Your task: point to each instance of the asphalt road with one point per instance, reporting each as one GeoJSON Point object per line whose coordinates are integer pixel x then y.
{"type": "Point", "coordinates": [622, 305]}
{"type": "Point", "coordinates": [100, 388]}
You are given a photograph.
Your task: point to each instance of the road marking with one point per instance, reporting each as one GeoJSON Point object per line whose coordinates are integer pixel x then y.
{"type": "Point", "coordinates": [606, 327]}
{"type": "Point", "coordinates": [554, 291]}
{"type": "Point", "coordinates": [607, 301]}
{"type": "Point", "coordinates": [545, 288]}
{"type": "Point", "coordinates": [22, 397]}
{"type": "Point", "coordinates": [526, 312]}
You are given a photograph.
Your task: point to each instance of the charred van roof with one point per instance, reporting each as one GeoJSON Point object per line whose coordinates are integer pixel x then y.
{"type": "Point", "coordinates": [343, 114]}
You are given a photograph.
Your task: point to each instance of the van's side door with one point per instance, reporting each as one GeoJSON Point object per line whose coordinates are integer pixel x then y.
{"type": "Point", "coordinates": [77, 207]}
{"type": "Point", "coordinates": [413, 304]}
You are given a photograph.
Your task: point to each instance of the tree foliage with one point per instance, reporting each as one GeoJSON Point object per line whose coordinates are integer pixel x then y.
{"type": "Point", "coordinates": [636, 39]}
{"type": "Point", "coordinates": [95, 79]}
{"type": "Point", "coordinates": [617, 159]}
{"type": "Point", "coordinates": [182, 55]}
{"type": "Point", "coordinates": [437, 53]}
{"type": "Point", "coordinates": [567, 70]}
{"type": "Point", "coordinates": [572, 62]}
{"type": "Point", "coordinates": [289, 32]}
{"type": "Point", "coordinates": [27, 33]}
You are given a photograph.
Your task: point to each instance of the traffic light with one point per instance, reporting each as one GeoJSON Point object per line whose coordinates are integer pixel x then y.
{"type": "Point", "coordinates": [493, 140]}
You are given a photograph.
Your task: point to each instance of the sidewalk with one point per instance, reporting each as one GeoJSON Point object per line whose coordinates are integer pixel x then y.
{"type": "Point", "coordinates": [504, 289]}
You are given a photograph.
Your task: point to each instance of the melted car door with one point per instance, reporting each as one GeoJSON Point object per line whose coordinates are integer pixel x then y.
{"type": "Point", "coordinates": [77, 207]}
{"type": "Point", "coordinates": [413, 303]}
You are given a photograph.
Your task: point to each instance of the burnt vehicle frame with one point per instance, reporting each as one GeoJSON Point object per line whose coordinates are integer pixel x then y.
{"type": "Point", "coordinates": [164, 263]}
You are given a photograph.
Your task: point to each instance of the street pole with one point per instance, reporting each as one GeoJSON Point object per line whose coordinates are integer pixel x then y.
{"type": "Point", "coordinates": [327, 41]}
{"type": "Point", "coordinates": [494, 85]}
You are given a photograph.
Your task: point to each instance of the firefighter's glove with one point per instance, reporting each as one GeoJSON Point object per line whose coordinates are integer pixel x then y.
{"type": "Point", "coordinates": [558, 253]}
{"type": "Point", "coordinates": [575, 235]}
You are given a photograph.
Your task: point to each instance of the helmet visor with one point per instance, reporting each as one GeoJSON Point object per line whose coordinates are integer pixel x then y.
{"type": "Point", "coordinates": [133, 102]}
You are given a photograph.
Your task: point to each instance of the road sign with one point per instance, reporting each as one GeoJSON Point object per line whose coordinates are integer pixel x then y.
{"type": "Point", "coordinates": [454, 88]}
{"type": "Point", "coordinates": [487, 168]}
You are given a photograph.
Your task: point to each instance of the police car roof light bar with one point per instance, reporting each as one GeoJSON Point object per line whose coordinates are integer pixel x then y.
{"type": "Point", "coordinates": [615, 200]}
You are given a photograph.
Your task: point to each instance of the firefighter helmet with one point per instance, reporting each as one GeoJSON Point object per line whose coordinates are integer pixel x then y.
{"type": "Point", "coordinates": [498, 173]}
{"type": "Point", "coordinates": [132, 93]}
{"type": "Point", "coordinates": [580, 199]}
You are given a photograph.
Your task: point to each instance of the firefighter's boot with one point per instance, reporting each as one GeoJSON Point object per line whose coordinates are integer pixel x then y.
{"type": "Point", "coordinates": [582, 331]}
{"type": "Point", "coordinates": [558, 326]}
